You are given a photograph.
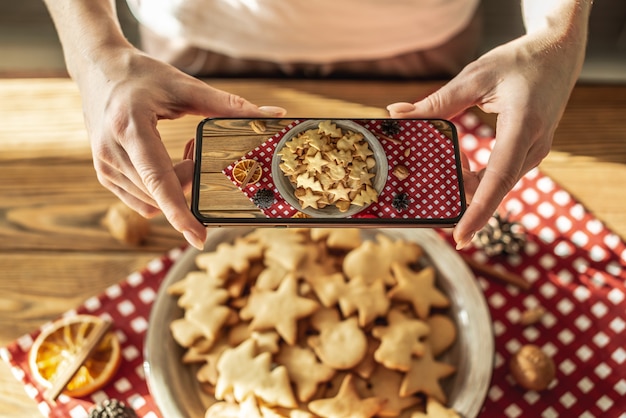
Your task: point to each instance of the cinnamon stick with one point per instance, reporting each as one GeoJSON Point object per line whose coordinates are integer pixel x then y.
{"type": "Point", "coordinates": [251, 172]}
{"type": "Point", "coordinates": [63, 377]}
{"type": "Point", "coordinates": [390, 139]}
{"type": "Point", "coordinates": [503, 276]}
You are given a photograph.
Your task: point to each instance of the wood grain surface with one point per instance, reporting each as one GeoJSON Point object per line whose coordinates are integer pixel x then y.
{"type": "Point", "coordinates": [55, 252]}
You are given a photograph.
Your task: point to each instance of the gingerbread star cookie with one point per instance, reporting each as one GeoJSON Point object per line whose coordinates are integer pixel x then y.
{"type": "Point", "coordinates": [347, 403]}
{"type": "Point", "coordinates": [418, 288]}
{"type": "Point", "coordinates": [279, 309]}
{"type": "Point", "coordinates": [229, 257]}
{"type": "Point", "coordinates": [424, 375]}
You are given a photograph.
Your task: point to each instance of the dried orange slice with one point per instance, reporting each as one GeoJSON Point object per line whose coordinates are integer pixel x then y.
{"type": "Point", "coordinates": [242, 169]}
{"type": "Point", "coordinates": [57, 345]}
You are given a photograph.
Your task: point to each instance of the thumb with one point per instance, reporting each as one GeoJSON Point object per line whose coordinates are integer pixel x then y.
{"type": "Point", "coordinates": [446, 102]}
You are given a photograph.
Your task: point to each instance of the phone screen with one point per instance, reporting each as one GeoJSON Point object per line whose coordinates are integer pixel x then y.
{"type": "Point", "coordinates": [313, 172]}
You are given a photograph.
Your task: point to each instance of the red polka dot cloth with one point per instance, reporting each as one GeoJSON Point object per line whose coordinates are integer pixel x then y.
{"type": "Point", "coordinates": [577, 268]}
{"type": "Point", "coordinates": [432, 187]}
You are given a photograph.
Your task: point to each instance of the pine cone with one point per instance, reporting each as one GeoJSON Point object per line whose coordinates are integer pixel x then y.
{"type": "Point", "coordinates": [390, 127]}
{"type": "Point", "coordinates": [401, 202]}
{"type": "Point", "coordinates": [501, 236]}
{"type": "Point", "coordinates": [263, 198]}
{"type": "Point", "coordinates": [112, 408]}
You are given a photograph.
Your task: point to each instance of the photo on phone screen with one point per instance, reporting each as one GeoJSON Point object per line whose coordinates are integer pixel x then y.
{"type": "Point", "coordinates": [369, 172]}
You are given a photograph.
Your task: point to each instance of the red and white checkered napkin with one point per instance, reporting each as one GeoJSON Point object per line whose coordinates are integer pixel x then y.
{"type": "Point", "coordinates": [128, 305]}
{"type": "Point", "coordinates": [577, 267]}
{"type": "Point", "coordinates": [432, 187]}
{"type": "Point", "coordinates": [578, 270]}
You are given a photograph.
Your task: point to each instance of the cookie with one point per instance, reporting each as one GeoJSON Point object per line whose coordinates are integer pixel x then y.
{"type": "Point", "coordinates": [400, 341]}
{"type": "Point", "coordinates": [229, 257]}
{"type": "Point", "coordinates": [344, 239]}
{"type": "Point", "coordinates": [334, 335]}
{"type": "Point", "coordinates": [243, 373]}
{"type": "Point", "coordinates": [418, 288]}
{"type": "Point", "coordinates": [347, 403]}
{"type": "Point", "coordinates": [368, 300]}
{"type": "Point", "coordinates": [279, 309]}
{"type": "Point", "coordinates": [423, 376]}
{"type": "Point", "coordinates": [304, 369]}
{"type": "Point", "coordinates": [434, 409]}
{"type": "Point", "coordinates": [385, 384]}
{"type": "Point", "coordinates": [442, 333]}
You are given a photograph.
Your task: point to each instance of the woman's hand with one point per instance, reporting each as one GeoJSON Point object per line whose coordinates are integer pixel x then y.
{"type": "Point", "coordinates": [122, 101]}
{"type": "Point", "coordinates": [527, 83]}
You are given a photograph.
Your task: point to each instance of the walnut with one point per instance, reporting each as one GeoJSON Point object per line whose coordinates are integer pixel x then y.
{"type": "Point", "coordinates": [258, 126]}
{"type": "Point", "coordinates": [126, 225]}
{"type": "Point", "coordinates": [532, 368]}
{"type": "Point", "coordinates": [401, 172]}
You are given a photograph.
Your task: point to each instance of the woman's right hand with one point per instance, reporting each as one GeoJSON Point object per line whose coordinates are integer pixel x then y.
{"type": "Point", "coordinates": [124, 97]}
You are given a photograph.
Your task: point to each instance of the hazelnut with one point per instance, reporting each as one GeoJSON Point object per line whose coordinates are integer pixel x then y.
{"type": "Point", "coordinates": [532, 368]}
{"type": "Point", "coordinates": [401, 172]}
{"type": "Point", "coordinates": [126, 225]}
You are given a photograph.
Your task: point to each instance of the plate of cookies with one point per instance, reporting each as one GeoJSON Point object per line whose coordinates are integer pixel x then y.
{"type": "Point", "coordinates": [320, 323]}
{"type": "Point", "coordinates": [329, 168]}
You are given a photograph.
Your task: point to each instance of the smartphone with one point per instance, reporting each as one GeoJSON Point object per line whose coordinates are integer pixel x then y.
{"type": "Point", "coordinates": [327, 172]}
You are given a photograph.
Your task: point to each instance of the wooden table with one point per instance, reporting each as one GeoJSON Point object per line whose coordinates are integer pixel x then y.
{"type": "Point", "coordinates": [55, 253]}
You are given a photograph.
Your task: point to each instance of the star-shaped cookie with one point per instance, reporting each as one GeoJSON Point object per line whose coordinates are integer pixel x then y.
{"type": "Point", "coordinates": [418, 288]}
{"type": "Point", "coordinates": [227, 257]}
{"type": "Point", "coordinates": [279, 309]}
{"type": "Point", "coordinates": [424, 375]}
{"type": "Point", "coordinates": [347, 403]}
{"type": "Point", "coordinates": [317, 163]}
{"type": "Point", "coordinates": [307, 198]}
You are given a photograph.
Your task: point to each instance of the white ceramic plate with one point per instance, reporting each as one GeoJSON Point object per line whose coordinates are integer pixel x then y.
{"type": "Point", "coordinates": [177, 393]}
{"type": "Point", "coordinates": [286, 188]}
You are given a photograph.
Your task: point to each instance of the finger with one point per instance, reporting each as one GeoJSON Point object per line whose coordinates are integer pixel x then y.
{"type": "Point", "coordinates": [138, 205]}
{"type": "Point", "coordinates": [111, 178]}
{"type": "Point", "coordinates": [448, 101]}
{"type": "Point", "coordinates": [153, 164]}
{"type": "Point", "coordinates": [502, 172]}
{"type": "Point", "coordinates": [189, 151]}
{"type": "Point", "coordinates": [184, 172]}
{"type": "Point", "coordinates": [113, 162]}
{"type": "Point", "coordinates": [202, 99]}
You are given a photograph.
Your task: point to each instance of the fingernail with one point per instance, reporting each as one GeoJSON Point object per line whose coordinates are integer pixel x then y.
{"type": "Point", "coordinates": [464, 242]}
{"type": "Point", "coordinates": [272, 110]}
{"type": "Point", "coordinates": [401, 107]}
{"type": "Point", "coordinates": [194, 240]}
